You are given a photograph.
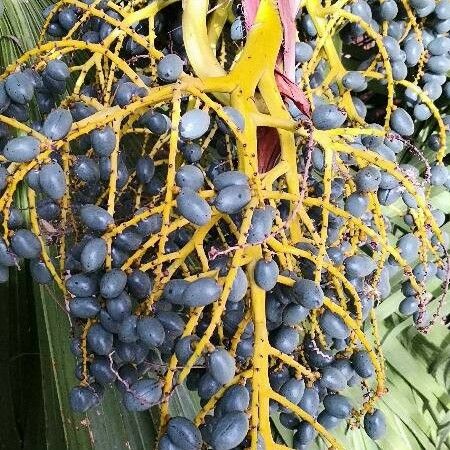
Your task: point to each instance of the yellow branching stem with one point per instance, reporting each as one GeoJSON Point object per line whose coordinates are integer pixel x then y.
{"type": "Point", "coordinates": [301, 172]}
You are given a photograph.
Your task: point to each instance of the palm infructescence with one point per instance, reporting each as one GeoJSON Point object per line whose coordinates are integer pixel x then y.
{"type": "Point", "coordinates": [231, 225]}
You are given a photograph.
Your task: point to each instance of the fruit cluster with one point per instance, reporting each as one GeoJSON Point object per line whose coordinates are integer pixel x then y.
{"type": "Point", "coordinates": [205, 227]}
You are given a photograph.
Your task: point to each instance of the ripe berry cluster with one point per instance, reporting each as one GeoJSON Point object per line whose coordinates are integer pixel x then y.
{"type": "Point", "coordinates": [205, 227]}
